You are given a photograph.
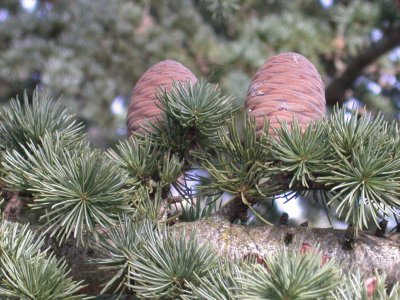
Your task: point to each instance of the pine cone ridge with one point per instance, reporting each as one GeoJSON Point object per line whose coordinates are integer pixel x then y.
{"type": "Point", "coordinates": [143, 103]}
{"type": "Point", "coordinates": [286, 87]}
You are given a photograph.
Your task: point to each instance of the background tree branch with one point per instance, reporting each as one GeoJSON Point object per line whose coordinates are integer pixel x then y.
{"type": "Point", "coordinates": [335, 91]}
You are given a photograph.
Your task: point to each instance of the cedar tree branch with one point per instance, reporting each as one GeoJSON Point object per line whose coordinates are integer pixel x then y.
{"type": "Point", "coordinates": [335, 91]}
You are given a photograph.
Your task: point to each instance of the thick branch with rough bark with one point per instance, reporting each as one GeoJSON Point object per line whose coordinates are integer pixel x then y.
{"type": "Point", "coordinates": [335, 91]}
{"type": "Point", "coordinates": [237, 241]}
{"type": "Point", "coordinates": [370, 252]}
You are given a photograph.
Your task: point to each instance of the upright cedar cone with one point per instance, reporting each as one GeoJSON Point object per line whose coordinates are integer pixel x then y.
{"type": "Point", "coordinates": [286, 87]}
{"type": "Point", "coordinates": [142, 105]}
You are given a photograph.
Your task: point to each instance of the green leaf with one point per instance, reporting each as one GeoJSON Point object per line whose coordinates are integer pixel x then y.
{"type": "Point", "coordinates": [354, 288]}
{"type": "Point", "coordinates": [240, 164]}
{"type": "Point", "coordinates": [166, 261]}
{"type": "Point", "coordinates": [17, 240]}
{"type": "Point", "coordinates": [27, 271]}
{"type": "Point", "coordinates": [138, 159]}
{"type": "Point", "coordinates": [117, 246]}
{"type": "Point", "coordinates": [221, 9]}
{"type": "Point", "coordinates": [365, 185]}
{"type": "Point", "coordinates": [193, 114]}
{"type": "Point", "coordinates": [75, 190]}
{"type": "Point", "coordinates": [39, 277]}
{"type": "Point", "coordinates": [348, 131]}
{"type": "Point", "coordinates": [302, 155]}
{"type": "Point", "coordinates": [30, 120]}
{"type": "Point", "coordinates": [221, 283]}
{"type": "Point", "coordinates": [291, 275]}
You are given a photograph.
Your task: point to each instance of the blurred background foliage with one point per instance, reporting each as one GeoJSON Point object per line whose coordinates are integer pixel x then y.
{"type": "Point", "coordinates": [92, 52]}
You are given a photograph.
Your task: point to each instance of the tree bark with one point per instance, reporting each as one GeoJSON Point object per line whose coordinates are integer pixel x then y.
{"type": "Point", "coordinates": [369, 254]}
{"type": "Point", "coordinates": [336, 90]}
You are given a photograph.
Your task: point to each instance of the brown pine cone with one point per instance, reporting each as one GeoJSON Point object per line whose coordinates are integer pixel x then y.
{"type": "Point", "coordinates": [142, 105]}
{"type": "Point", "coordinates": [286, 87]}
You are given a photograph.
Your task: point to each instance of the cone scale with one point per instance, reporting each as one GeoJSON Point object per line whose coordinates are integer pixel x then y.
{"type": "Point", "coordinates": [143, 103]}
{"type": "Point", "coordinates": [286, 87]}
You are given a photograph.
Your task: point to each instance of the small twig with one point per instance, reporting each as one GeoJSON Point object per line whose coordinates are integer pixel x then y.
{"type": "Point", "coordinates": [13, 207]}
{"type": "Point", "coordinates": [253, 210]}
